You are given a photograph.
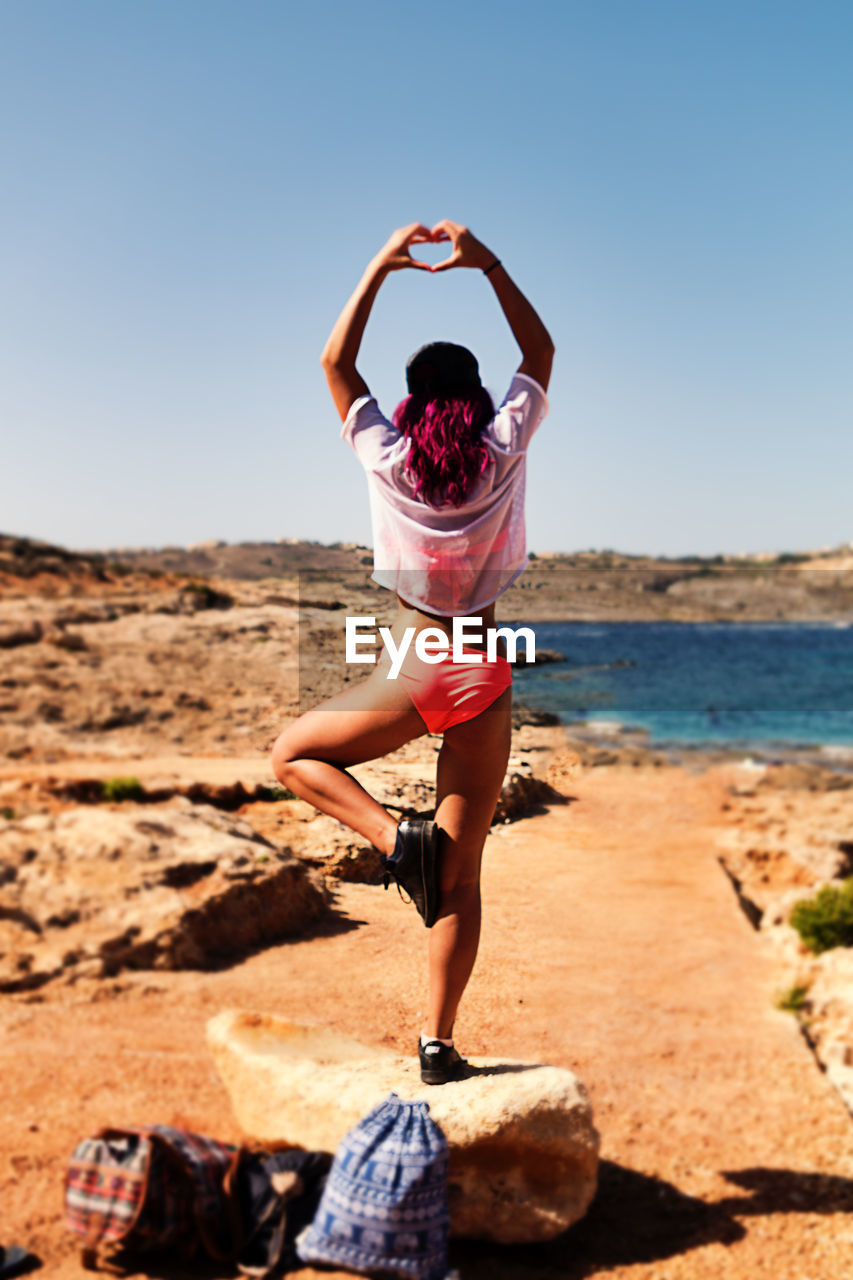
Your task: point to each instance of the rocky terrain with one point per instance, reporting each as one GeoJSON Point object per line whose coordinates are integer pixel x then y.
{"type": "Point", "coordinates": [93, 891]}
{"type": "Point", "coordinates": [151, 873]}
{"type": "Point", "coordinates": [788, 833]}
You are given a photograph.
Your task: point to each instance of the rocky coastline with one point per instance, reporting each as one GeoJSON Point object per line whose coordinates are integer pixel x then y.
{"type": "Point", "coordinates": [141, 826]}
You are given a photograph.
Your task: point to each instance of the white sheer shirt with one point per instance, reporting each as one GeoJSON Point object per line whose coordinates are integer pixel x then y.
{"type": "Point", "coordinates": [449, 560]}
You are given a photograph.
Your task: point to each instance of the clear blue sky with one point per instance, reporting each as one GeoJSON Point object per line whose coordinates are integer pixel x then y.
{"type": "Point", "coordinates": [191, 189]}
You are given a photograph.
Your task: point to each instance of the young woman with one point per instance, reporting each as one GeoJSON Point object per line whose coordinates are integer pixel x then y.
{"type": "Point", "coordinates": [446, 485]}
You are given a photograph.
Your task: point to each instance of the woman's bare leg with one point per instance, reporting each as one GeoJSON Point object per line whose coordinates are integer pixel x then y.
{"type": "Point", "coordinates": [311, 755]}
{"type": "Point", "coordinates": [368, 721]}
{"type": "Point", "coordinates": [471, 768]}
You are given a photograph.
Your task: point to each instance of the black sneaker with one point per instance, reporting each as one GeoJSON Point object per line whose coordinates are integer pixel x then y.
{"type": "Point", "coordinates": [414, 865]}
{"type": "Point", "coordinates": [440, 1063]}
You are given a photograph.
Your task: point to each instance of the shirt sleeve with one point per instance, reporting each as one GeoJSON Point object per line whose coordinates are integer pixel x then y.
{"type": "Point", "coordinates": [371, 435]}
{"type": "Point", "coordinates": [521, 411]}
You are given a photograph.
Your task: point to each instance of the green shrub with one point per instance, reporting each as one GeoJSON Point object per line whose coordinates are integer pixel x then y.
{"type": "Point", "coordinates": [116, 789]}
{"type": "Point", "coordinates": [826, 920]}
{"type": "Point", "coordinates": [791, 557]}
{"type": "Point", "coordinates": [793, 1000]}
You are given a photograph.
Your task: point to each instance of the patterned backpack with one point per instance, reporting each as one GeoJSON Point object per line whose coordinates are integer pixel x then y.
{"type": "Point", "coordinates": [152, 1188]}
{"type": "Point", "coordinates": [384, 1206]}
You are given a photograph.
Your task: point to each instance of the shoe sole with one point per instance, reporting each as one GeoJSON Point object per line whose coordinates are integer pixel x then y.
{"type": "Point", "coordinates": [430, 845]}
{"type": "Point", "coordinates": [438, 1076]}
{"type": "Point", "coordinates": [435, 1077]}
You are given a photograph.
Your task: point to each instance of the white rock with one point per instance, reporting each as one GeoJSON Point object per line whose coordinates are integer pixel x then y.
{"type": "Point", "coordinates": [523, 1149]}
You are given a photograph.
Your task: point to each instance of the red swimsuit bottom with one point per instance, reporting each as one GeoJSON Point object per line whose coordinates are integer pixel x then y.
{"type": "Point", "coordinates": [446, 693]}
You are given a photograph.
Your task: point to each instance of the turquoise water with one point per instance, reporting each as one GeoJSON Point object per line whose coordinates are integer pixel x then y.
{"type": "Point", "coordinates": [754, 685]}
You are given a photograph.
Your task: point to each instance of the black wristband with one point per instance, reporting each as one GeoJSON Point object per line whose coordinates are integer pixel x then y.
{"type": "Point", "coordinates": [496, 263]}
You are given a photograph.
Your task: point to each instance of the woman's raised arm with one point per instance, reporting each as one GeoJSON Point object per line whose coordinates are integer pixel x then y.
{"type": "Point", "coordinates": [537, 348]}
{"type": "Point", "coordinates": [341, 350]}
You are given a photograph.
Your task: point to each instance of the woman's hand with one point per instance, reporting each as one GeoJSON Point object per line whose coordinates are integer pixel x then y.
{"type": "Point", "coordinates": [342, 346]}
{"type": "Point", "coordinates": [468, 251]}
{"type": "Point", "coordinates": [394, 254]}
{"type": "Point", "coordinates": [537, 349]}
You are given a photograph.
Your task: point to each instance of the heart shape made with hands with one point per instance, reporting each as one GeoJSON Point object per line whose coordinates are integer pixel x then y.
{"type": "Point", "coordinates": [437, 243]}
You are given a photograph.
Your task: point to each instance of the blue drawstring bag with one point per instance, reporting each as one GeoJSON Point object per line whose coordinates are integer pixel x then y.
{"type": "Point", "coordinates": [384, 1206]}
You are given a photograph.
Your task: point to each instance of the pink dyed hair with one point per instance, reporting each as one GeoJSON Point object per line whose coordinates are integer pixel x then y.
{"type": "Point", "coordinates": [447, 453]}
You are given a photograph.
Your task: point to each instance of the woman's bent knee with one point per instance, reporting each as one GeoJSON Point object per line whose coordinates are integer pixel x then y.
{"type": "Point", "coordinates": [282, 759]}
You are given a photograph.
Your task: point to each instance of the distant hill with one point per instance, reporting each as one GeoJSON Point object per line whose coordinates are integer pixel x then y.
{"type": "Point", "coordinates": [248, 561]}
{"type": "Point", "coordinates": [585, 585]}
{"type": "Point", "coordinates": [254, 560]}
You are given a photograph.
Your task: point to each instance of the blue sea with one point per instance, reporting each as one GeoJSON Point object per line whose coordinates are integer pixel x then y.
{"type": "Point", "coordinates": [768, 688]}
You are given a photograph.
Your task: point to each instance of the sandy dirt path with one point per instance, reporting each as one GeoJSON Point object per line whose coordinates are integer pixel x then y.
{"type": "Point", "coordinates": [613, 945]}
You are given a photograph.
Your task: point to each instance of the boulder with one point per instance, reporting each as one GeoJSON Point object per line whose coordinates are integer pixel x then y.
{"type": "Point", "coordinates": [335, 850]}
{"type": "Point", "coordinates": [523, 1149]}
{"type": "Point", "coordinates": [522, 793]}
{"type": "Point", "coordinates": [522, 714]}
{"type": "Point", "coordinates": [92, 891]}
